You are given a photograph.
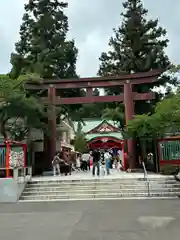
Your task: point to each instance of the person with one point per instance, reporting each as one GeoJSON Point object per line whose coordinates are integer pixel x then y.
{"type": "Point", "coordinates": [107, 158]}
{"type": "Point", "coordinates": [150, 161]}
{"type": "Point", "coordinates": [96, 158]}
{"type": "Point", "coordinates": [56, 164]}
{"type": "Point", "coordinates": [102, 167]}
{"type": "Point", "coordinates": [85, 161]}
{"type": "Point", "coordinates": [78, 162]}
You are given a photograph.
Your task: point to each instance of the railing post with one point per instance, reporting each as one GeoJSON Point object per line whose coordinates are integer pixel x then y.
{"type": "Point", "coordinates": [7, 158]}
{"type": "Point", "coordinates": [15, 174]}
{"type": "Point", "coordinates": [30, 173]}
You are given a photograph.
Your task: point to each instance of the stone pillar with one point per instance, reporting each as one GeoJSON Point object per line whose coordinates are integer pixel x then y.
{"type": "Point", "coordinates": [51, 124]}
{"type": "Point", "coordinates": [129, 112]}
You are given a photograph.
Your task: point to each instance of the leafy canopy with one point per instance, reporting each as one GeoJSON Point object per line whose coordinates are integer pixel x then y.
{"type": "Point", "coordinates": [137, 45]}
{"type": "Point", "coordinates": [165, 120]}
{"type": "Point", "coordinates": [18, 110]}
{"type": "Point", "coordinates": [43, 48]}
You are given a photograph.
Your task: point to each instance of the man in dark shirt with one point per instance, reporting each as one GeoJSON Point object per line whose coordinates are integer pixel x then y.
{"type": "Point", "coordinates": [96, 159]}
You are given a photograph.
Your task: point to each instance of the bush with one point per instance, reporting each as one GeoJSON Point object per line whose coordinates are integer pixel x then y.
{"type": "Point", "coordinates": [169, 169]}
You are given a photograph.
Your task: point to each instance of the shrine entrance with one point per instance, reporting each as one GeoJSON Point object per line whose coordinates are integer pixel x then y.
{"type": "Point", "coordinates": [128, 95]}
{"type": "Point", "coordinates": [104, 135]}
{"type": "Point", "coordinates": [106, 143]}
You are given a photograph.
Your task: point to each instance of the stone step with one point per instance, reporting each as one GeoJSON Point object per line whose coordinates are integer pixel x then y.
{"type": "Point", "coordinates": [107, 181]}
{"type": "Point", "coordinates": [54, 189]}
{"type": "Point", "coordinates": [85, 181]}
{"type": "Point", "coordinates": [101, 181]}
{"type": "Point", "coordinates": [87, 186]}
{"type": "Point", "coordinates": [91, 179]}
{"type": "Point", "coordinates": [98, 195]}
{"type": "Point", "coordinates": [98, 188]}
{"type": "Point", "coordinates": [102, 191]}
{"type": "Point", "coordinates": [104, 198]}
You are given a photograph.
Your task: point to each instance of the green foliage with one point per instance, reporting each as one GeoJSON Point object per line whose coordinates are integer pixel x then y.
{"type": "Point", "coordinates": [80, 143]}
{"type": "Point", "coordinates": [138, 45]}
{"type": "Point", "coordinates": [168, 112]}
{"type": "Point", "coordinates": [43, 48]}
{"type": "Point", "coordinates": [18, 112]}
{"type": "Point", "coordinates": [115, 114]}
{"type": "Point", "coordinates": [164, 120]}
{"type": "Point", "coordinates": [141, 127]}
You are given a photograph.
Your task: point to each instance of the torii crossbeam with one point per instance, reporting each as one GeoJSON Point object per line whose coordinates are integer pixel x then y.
{"type": "Point", "coordinates": [128, 96]}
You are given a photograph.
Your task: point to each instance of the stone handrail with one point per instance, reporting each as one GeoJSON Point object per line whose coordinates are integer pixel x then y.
{"type": "Point", "coordinates": [21, 174]}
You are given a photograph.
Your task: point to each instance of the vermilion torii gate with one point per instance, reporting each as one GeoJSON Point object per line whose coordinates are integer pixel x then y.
{"type": "Point", "coordinates": [128, 96]}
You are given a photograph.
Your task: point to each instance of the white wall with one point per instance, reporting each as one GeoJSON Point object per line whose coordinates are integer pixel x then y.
{"type": "Point", "coordinates": [10, 190]}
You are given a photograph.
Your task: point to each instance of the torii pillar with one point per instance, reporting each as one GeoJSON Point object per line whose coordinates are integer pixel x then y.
{"type": "Point", "coordinates": [129, 113]}
{"type": "Point", "coordinates": [51, 151]}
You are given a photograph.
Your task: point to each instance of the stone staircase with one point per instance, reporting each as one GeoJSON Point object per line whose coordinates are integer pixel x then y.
{"type": "Point", "coordinates": [102, 188]}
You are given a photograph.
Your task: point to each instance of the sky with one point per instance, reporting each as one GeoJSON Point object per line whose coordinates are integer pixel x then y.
{"type": "Point", "coordinates": [91, 25]}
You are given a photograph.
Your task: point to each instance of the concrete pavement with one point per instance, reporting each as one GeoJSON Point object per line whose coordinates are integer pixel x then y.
{"type": "Point", "coordinates": [91, 220]}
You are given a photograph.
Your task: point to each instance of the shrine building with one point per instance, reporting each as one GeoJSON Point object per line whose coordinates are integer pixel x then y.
{"type": "Point", "coordinates": [102, 134]}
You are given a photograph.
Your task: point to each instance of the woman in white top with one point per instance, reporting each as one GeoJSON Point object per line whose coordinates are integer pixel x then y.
{"type": "Point", "coordinates": [78, 162]}
{"type": "Point", "coordinates": [107, 158]}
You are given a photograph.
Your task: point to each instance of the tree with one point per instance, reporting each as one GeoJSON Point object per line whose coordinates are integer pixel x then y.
{"type": "Point", "coordinates": [43, 48]}
{"type": "Point", "coordinates": [115, 114]}
{"type": "Point", "coordinates": [18, 112]}
{"type": "Point", "coordinates": [167, 112]}
{"type": "Point", "coordinates": [137, 46]}
{"type": "Point", "coordinates": [164, 121]}
{"type": "Point", "coordinates": [79, 141]}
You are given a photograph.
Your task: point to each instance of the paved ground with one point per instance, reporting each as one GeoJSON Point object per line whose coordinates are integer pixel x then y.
{"type": "Point", "coordinates": [88, 175]}
{"type": "Point", "coordinates": [91, 220]}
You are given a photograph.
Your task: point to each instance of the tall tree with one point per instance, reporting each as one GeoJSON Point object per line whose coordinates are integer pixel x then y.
{"type": "Point", "coordinates": [43, 47]}
{"type": "Point", "coordinates": [137, 46]}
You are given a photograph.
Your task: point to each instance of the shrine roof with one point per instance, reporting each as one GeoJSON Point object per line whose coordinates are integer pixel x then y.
{"type": "Point", "coordinates": [90, 124]}
{"type": "Point", "coordinates": [117, 135]}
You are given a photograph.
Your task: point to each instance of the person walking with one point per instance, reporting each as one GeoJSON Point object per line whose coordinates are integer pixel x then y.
{"type": "Point", "coordinates": [78, 162]}
{"type": "Point", "coordinates": [86, 161]}
{"type": "Point", "coordinates": [96, 159]}
{"type": "Point", "coordinates": [107, 158]}
{"type": "Point", "coordinates": [56, 164]}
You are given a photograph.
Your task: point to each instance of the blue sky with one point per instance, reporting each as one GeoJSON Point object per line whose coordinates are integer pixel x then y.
{"type": "Point", "coordinates": [91, 24]}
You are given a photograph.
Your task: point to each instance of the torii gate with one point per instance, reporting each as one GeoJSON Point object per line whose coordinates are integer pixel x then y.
{"type": "Point", "coordinates": [128, 96]}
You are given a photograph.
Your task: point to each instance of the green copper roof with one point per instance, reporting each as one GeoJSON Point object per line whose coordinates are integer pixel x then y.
{"type": "Point", "coordinates": [90, 124]}
{"type": "Point", "coordinates": [117, 135]}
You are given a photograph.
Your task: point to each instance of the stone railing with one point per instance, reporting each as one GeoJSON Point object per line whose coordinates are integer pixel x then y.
{"type": "Point", "coordinates": [19, 174]}
{"type": "Point", "coordinates": [23, 174]}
